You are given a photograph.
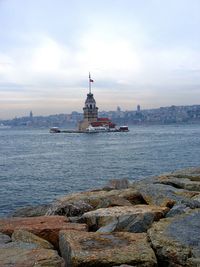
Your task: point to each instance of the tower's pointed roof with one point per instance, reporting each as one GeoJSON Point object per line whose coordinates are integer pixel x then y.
{"type": "Point", "coordinates": [90, 99]}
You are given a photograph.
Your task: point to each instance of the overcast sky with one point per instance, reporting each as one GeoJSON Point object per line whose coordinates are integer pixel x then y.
{"type": "Point", "coordinates": [143, 52]}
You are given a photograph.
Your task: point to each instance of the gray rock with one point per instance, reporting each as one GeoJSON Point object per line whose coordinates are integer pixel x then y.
{"type": "Point", "coordinates": [181, 182]}
{"type": "Point", "coordinates": [134, 224]}
{"type": "Point", "coordinates": [19, 254]}
{"type": "Point", "coordinates": [4, 239]}
{"type": "Point", "coordinates": [176, 240]}
{"type": "Point", "coordinates": [177, 210]}
{"type": "Point", "coordinates": [75, 219]}
{"type": "Point", "coordinates": [193, 172]}
{"type": "Point", "coordinates": [188, 179]}
{"type": "Point", "coordinates": [163, 195]}
{"type": "Point", "coordinates": [191, 203]}
{"type": "Point", "coordinates": [113, 201]}
{"type": "Point", "coordinates": [27, 237]}
{"type": "Point", "coordinates": [76, 204]}
{"type": "Point", "coordinates": [136, 218]}
{"type": "Point", "coordinates": [75, 209]}
{"type": "Point", "coordinates": [19, 244]}
{"type": "Point", "coordinates": [31, 211]}
{"type": "Point", "coordinates": [117, 184]}
{"type": "Point", "coordinates": [196, 198]}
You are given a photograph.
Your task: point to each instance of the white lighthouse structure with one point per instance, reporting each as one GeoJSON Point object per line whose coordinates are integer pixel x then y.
{"type": "Point", "coordinates": [90, 110]}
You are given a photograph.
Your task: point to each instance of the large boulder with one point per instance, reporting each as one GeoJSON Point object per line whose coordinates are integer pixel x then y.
{"type": "Point", "coordinates": [163, 195]}
{"type": "Point", "coordinates": [79, 203]}
{"type": "Point", "coordinates": [95, 249]}
{"type": "Point", "coordinates": [28, 237]}
{"type": "Point", "coordinates": [176, 240]}
{"type": "Point", "coordinates": [18, 254]}
{"type": "Point", "coordinates": [46, 227]}
{"type": "Point", "coordinates": [136, 218]}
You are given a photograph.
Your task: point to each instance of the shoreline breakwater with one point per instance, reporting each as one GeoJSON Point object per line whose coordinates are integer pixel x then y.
{"type": "Point", "coordinates": [151, 222]}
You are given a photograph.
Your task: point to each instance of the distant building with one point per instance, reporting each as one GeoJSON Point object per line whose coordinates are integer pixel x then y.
{"type": "Point", "coordinates": [138, 108]}
{"type": "Point", "coordinates": [31, 114]}
{"type": "Point", "coordinates": [118, 109]}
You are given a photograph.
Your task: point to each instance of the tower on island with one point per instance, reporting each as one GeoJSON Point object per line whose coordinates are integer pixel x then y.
{"type": "Point", "coordinates": [90, 113]}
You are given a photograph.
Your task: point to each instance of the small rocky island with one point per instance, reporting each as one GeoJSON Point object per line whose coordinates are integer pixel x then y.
{"type": "Point", "coordinates": [153, 222]}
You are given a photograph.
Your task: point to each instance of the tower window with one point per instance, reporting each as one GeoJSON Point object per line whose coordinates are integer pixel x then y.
{"type": "Point", "coordinates": [90, 106]}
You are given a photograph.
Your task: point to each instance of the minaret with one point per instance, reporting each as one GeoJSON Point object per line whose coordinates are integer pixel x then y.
{"type": "Point", "coordinates": [31, 114]}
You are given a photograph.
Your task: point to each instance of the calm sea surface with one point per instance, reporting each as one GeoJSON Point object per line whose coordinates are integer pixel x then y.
{"type": "Point", "coordinates": [36, 166]}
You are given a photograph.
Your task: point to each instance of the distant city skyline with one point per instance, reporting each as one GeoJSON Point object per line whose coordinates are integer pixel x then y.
{"type": "Point", "coordinates": [143, 52]}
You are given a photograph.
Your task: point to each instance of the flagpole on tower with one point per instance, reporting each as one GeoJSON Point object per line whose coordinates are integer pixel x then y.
{"type": "Point", "coordinates": [89, 83]}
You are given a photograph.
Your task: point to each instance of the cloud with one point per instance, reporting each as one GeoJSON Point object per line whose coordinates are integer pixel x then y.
{"type": "Point", "coordinates": [135, 51]}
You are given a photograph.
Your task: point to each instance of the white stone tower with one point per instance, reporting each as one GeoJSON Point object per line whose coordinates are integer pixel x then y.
{"type": "Point", "coordinates": [90, 111]}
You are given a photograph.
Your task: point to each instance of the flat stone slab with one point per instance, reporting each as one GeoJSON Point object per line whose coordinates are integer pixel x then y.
{"type": "Point", "coordinates": [46, 227]}
{"type": "Point", "coordinates": [95, 249]}
{"type": "Point", "coordinates": [176, 240]}
{"type": "Point", "coordinates": [16, 254]}
{"type": "Point", "coordinates": [136, 218]}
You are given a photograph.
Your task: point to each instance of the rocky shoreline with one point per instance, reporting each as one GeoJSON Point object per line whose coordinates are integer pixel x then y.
{"type": "Point", "coordinates": [153, 222]}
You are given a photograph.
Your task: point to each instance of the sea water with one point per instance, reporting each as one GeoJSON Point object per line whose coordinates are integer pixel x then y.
{"type": "Point", "coordinates": [36, 167]}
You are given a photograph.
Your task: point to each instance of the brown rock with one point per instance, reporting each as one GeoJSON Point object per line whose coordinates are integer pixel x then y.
{"type": "Point", "coordinates": [28, 237]}
{"type": "Point", "coordinates": [46, 227]}
{"type": "Point", "coordinates": [95, 249]}
{"type": "Point", "coordinates": [26, 256]}
{"type": "Point", "coordinates": [136, 218]}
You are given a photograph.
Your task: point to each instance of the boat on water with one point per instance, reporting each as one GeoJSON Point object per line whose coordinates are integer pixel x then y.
{"type": "Point", "coordinates": [123, 128]}
{"type": "Point", "coordinates": [98, 129]}
{"type": "Point", "coordinates": [54, 130]}
{"type": "Point", "coordinates": [92, 129]}
{"type": "Point", "coordinates": [4, 127]}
